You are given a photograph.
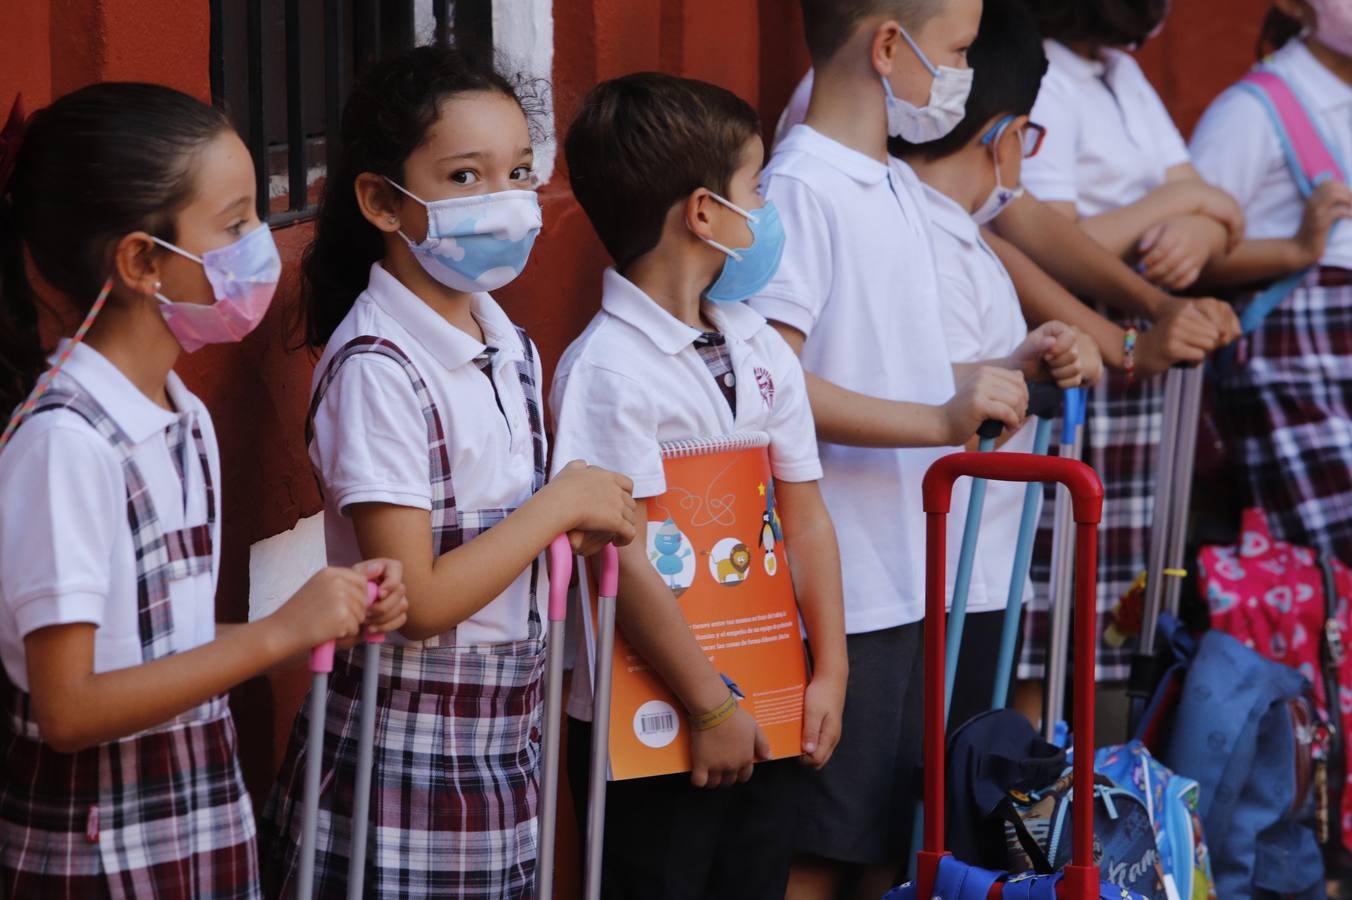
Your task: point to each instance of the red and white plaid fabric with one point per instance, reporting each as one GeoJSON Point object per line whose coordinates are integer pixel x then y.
{"type": "Point", "coordinates": [163, 814]}
{"type": "Point", "coordinates": [1286, 410]}
{"type": "Point", "coordinates": [457, 734]}
{"type": "Point", "coordinates": [1122, 430]}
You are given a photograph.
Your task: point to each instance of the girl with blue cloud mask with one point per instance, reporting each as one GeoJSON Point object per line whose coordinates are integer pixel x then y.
{"type": "Point", "coordinates": [425, 433]}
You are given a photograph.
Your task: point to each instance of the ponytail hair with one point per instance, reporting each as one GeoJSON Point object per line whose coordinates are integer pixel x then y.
{"type": "Point", "coordinates": [1278, 30]}
{"type": "Point", "coordinates": [96, 165]}
{"type": "Point", "coordinates": [386, 118]}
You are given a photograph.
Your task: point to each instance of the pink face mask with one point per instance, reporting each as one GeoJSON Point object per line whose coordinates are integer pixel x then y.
{"type": "Point", "coordinates": [243, 277]}
{"type": "Point", "coordinates": [1333, 24]}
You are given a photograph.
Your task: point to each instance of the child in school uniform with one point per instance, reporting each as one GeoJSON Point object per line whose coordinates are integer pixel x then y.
{"type": "Point", "coordinates": [1285, 417]}
{"type": "Point", "coordinates": [425, 432]}
{"type": "Point", "coordinates": [970, 176]}
{"type": "Point", "coordinates": [666, 169]}
{"type": "Point", "coordinates": [1114, 162]}
{"type": "Point", "coordinates": [118, 773]}
{"type": "Point", "coordinates": [857, 295]}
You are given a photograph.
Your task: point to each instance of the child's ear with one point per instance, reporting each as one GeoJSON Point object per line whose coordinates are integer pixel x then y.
{"type": "Point", "coordinates": [378, 202]}
{"type": "Point", "coordinates": [695, 212]}
{"type": "Point", "coordinates": [883, 46]}
{"type": "Point", "coordinates": [136, 261]}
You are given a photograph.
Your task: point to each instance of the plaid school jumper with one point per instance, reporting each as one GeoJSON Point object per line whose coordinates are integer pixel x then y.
{"type": "Point", "coordinates": [1286, 412]}
{"type": "Point", "coordinates": [162, 815]}
{"type": "Point", "coordinates": [1123, 423]}
{"type": "Point", "coordinates": [457, 747]}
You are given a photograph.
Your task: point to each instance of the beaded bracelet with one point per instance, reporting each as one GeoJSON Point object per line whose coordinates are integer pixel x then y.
{"type": "Point", "coordinates": [716, 716]}
{"type": "Point", "coordinates": [1129, 355]}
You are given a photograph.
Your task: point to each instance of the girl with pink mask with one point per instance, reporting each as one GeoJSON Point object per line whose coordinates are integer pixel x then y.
{"type": "Point", "coordinates": [1280, 142]}
{"type": "Point", "coordinates": [118, 776]}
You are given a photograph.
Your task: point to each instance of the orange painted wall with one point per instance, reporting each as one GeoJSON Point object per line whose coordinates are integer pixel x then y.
{"type": "Point", "coordinates": [257, 389]}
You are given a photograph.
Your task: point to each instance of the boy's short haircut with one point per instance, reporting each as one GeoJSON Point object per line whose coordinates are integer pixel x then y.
{"type": "Point", "coordinates": [1008, 62]}
{"type": "Point", "coordinates": [643, 142]}
{"type": "Point", "coordinates": [829, 23]}
{"type": "Point", "coordinates": [1101, 23]}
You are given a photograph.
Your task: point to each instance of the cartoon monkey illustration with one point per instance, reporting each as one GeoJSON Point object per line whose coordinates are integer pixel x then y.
{"type": "Point", "coordinates": [735, 566]}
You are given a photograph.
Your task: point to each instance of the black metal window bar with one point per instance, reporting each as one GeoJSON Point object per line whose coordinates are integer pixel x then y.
{"type": "Point", "coordinates": [313, 48]}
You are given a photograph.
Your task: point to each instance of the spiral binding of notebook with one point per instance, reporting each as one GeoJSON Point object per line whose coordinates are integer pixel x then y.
{"type": "Point", "coordinates": [723, 443]}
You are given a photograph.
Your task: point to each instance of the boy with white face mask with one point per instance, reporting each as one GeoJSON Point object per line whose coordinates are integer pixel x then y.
{"type": "Point", "coordinates": [857, 296]}
{"type": "Point", "coordinates": [971, 175]}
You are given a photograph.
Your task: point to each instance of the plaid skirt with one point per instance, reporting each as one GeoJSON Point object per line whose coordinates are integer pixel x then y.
{"type": "Point", "coordinates": [1285, 408]}
{"type": "Point", "coordinates": [455, 781]}
{"type": "Point", "coordinates": [160, 816]}
{"type": "Point", "coordinates": [1122, 430]}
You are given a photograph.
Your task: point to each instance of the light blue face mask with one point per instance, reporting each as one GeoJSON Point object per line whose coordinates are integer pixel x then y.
{"type": "Point", "coordinates": [477, 243]}
{"type": "Point", "coordinates": [747, 270]}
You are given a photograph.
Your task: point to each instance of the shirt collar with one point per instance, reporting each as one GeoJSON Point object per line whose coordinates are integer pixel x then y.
{"type": "Point", "coordinates": [945, 213]}
{"type": "Point", "coordinates": [137, 415]}
{"type": "Point", "coordinates": [859, 166]}
{"type": "Point", "coordinates": [1072, 63]}
{"type": "Point", "coordinates": [448, 344]}
{"type": "Point", "coordinates": [624, 300]}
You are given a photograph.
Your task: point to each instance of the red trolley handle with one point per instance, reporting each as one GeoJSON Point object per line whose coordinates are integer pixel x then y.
{"type": "Point", "coordinates": [1081, 876]}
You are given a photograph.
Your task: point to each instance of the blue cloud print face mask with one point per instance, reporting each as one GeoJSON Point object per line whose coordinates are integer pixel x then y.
{"type": "Point", "coordinates": [748, 269]}
{"type": "Point", "coordinates": [477, 243]}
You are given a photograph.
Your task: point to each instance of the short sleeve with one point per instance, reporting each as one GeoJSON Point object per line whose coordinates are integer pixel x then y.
{"type": "Point", "coordinates": [1237, 167]}
{"type": "Point", "coordinates": [1051, 175]}
{"type": "Point", "coordinates": [793, 432]}
{"type": "Point", "coordinates": [798, 291]}
{"type": "Point", "coordinates": [63, 500]}
{"type": "Point", "coordinates": [370, 436]}
{"type": "Point", "coordinates": [962, 315]}
{"type": "Point", "coordinates": [604, 417]}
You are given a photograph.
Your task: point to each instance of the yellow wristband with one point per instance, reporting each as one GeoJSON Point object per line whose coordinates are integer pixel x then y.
{"type": "Point", "coordinates": [716, 716]}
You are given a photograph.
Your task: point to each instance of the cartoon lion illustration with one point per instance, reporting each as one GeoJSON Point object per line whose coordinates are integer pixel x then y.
{"type": "Point", "coordinates": [735, 566]}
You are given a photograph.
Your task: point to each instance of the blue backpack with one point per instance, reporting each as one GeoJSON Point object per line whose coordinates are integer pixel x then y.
{"type": "Point", "coordinates": [959, 881]}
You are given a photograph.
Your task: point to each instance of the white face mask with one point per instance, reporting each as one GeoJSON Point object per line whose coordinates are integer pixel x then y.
{"type": "Point", "coordinates": [1000, 196]}
{"type": "Point", "coordinates": [945, 109]}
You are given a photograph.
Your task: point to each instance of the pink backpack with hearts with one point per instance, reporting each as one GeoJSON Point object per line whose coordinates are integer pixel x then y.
{"type": "Point", "coordinates": [1290, 604]}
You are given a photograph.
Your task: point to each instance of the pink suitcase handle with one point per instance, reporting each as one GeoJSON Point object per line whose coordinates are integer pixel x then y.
{"type": "Point", "coordinates": [1086, 491]}
{"type": "Point", "coordinates": [560, 573]}
{"type": "Point", "coordinates": [321, 657]}
{"type": "Point", "coordinates": [609, 582]}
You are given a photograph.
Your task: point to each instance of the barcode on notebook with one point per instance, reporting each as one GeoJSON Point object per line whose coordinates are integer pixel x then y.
{"type": "Point", "coordinates": [658, 724]}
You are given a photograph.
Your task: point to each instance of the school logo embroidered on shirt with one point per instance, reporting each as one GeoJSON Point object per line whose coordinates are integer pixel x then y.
{"type": "Point", "coordinates": [766, 385]}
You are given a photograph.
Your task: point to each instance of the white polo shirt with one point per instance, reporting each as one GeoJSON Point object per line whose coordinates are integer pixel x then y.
{"type": "Point", "coordinates": [634, 379]}
{"type": "Point", "coordinates": [1236, 148]}
{"type": "Point", "coordinates": [858, 278]}
{"type": "Point", "coordinates": [66, 552]}
{"type": "Point", "coordinates": [982, 320]}
{"type": "Point", "coordinates": [1109, 138]}
{"type": "Point", "coordinates": [370, 440]}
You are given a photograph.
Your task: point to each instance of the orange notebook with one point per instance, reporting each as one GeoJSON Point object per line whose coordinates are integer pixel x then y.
{"type": "Point", "coordinates": [715, 538]}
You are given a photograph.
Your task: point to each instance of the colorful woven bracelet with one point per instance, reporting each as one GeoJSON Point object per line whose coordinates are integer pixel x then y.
{"type": "Point", "coordinates": [716, 716]}
{"type": "Point", "coordinates": [1129, 354]}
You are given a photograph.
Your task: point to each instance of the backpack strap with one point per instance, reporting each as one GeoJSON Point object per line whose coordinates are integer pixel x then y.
{"type": "Point", "coordinates": [1309, 157]}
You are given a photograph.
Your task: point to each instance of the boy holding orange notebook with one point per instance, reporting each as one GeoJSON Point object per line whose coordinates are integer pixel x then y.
{"type": "Point", "coordinates": [666, 169]}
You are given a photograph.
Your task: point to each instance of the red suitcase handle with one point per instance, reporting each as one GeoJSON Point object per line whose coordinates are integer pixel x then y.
{"type": "Point", "coordinates": [1081, 877]}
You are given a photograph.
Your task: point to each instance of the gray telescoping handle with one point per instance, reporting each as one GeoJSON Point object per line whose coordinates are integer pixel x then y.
{"type": "Point", "coordinates": [314, 753]}
{"type": "Point", "coordinates": [560, 573]}
{"type": "Point", "coordinates": [1061, 599]}
{"type": "Point", "coordinates": [1173, 492]}
{"type": "Point", "coordinates": [366, 745]}
{"type": "Point", "coordinates": [607, 589]}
